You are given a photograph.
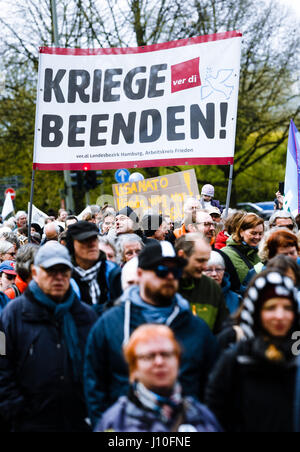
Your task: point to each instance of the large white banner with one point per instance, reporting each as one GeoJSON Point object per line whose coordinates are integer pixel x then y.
{"type": "Point", "coordinates": [158, 105]}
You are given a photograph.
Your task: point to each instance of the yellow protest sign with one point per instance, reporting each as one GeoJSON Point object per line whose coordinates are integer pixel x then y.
{"type": "Point", "coordinates": [163, 194]}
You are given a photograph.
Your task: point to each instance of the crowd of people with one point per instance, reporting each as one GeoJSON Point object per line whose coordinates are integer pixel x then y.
{"type": "Point", "coordinates": [119, 323]}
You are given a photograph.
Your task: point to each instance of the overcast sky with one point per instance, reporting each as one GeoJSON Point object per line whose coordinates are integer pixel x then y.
{"type": "Point", "coordinates": [294, 4]}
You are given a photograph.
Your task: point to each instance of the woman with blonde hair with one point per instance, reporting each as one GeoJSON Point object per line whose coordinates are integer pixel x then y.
{"type": "Point", "coordinates": [155, 402]}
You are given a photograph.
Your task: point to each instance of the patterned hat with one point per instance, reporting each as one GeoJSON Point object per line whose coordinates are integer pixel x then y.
{"type": "Point", "coordinates": [266, 286]}
{"type": "Point", "coordinates": [208, 190]}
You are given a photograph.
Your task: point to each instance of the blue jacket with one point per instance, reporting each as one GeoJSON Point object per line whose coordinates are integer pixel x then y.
{"type": "Point", "coordinates": [126, 416]}
{"type": "Point", "coordinates": [105, 370]}
{"type": "Point", "coordinates": [37, 389]}
{"type": "Point", "coordinates": [232, 299]}
{"type": "Point", "coordinates": [3, 300]}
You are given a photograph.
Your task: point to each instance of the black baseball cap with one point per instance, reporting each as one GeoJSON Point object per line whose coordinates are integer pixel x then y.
{"type": "Point", "coordinates": [82, 230]}
{"type": "Point", "coordinates": [158, 252]}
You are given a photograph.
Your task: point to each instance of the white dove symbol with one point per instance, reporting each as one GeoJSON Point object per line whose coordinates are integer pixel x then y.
{"type": "Point", "coordinates": [218, 84]}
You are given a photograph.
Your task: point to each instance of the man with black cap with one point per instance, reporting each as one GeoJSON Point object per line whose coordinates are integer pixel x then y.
{"type": "Point", "coordinates": [154, 300]}
{"type": "Point", "coordinates": [127, 221]}
{"type": "Point", "coordinates": [45, 330]}
{"type": "Point", "coordinates": [154, 227]}
{"type": "Point", "coordinates": [92, 272]}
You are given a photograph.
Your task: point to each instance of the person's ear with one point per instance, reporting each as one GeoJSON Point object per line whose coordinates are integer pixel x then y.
{"type": "Point", "coordinates": [181, 253]}
{"type": "Point", "coordinates": [191, 228]}
{"type": "Point", "coordinates": [34, 272]}
{"type": "Point", "coordinates": [139, 273]}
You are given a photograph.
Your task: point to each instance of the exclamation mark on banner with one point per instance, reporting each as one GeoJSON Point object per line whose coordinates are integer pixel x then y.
{"type": "Point", "coordinates": [187, 180]}
{"type": "Point", "coordinates": [223, 111]}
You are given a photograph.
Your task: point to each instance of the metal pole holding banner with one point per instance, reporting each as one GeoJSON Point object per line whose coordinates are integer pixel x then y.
{"type": "Point", "coordinates": [67, 176]}
{"type": "Point", "coordinates": [30, 206]}
{"type": "Point", "coordinates": [229, 190]}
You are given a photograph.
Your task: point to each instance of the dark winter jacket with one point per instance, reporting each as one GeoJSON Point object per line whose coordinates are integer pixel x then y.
{"type": "Point", "coordinates": [227, 337]}
{"type": "Point", "coordinates": [126, 416]}
{"type": "Point", "coordinates": [109, 280]}
{"type": "Point", "coordinates": [250, 275]}
{"type": "Point", "coordinates": [3, 300]}
{"type": "Point", "coordinates": [37, 389]}
{"type": "Point", "coordinates": [216, 203]}
{"type": "Point", "coordinates": [232, 299]}
{"type": "Point", "coordinates": [106, 372]}
{"type": "Point", "coordinates": [250, 393]}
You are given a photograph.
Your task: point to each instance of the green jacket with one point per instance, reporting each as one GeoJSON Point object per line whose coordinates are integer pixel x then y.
{"type": "Point", "coordinates": [250, 254]}
{"type": "Point", "coordinates": [206, 300]}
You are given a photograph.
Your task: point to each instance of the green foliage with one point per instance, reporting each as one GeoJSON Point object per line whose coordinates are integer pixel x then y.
{"type": "Point", "coordinates": [17, 113]}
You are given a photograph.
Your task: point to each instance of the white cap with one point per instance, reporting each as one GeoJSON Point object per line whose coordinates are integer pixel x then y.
{"type": "Point", "coordinates": [208, 190]}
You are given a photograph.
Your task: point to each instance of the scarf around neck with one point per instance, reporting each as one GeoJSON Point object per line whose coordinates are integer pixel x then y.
{"type": "Point", "coordinates": [164, 407]}
{"type": "Point", "coordinates": [62, 314]}
{"type": "Point", "coordinates": [90, 276]}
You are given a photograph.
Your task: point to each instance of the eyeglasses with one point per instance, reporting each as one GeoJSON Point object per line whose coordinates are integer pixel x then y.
{"type": "Point", "coordinates": [150, 357]}
{"type": "Point", "coordinates": [212, 270]}
{"type": "Point", "coordinates": [9, 276]}
{"type": "Point", "coordinates": [162, 271]}
{"type": "Point", "coordinates": [52, 271]}
{"type": "Point", "coordinates": [11, 254]}
{"type": "Point", "coordinates": [207, 224]}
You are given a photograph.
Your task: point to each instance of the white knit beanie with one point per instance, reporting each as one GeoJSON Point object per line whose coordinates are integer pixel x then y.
{"type": "Point", "coordinates": [208, 190]}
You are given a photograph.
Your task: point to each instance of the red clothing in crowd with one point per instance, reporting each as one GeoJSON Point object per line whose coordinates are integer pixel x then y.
{"type": "Point", "coordinates": [21, 285]}
{"type": "Point", "coordinates": [221, 240]}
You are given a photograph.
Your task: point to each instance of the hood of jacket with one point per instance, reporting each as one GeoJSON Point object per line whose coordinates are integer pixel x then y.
{"type": "Point", "coordinates": [226, 284]}
{"type": "Point", "coordinates": [132, 296]}
{"type": "Point", "coordinates": [133, 293]}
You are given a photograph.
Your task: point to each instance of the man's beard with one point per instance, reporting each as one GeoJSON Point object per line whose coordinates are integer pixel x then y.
{"type": "Point", "coordinates": [158, 298]}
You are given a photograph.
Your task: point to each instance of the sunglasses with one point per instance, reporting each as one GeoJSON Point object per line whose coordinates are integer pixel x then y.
{"type": "Point", "coordinates": [10, 277]}
{"type": "Point", "coordinates": [162, 271]}
{"type": "Point", "coordinates": [54, 271]}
